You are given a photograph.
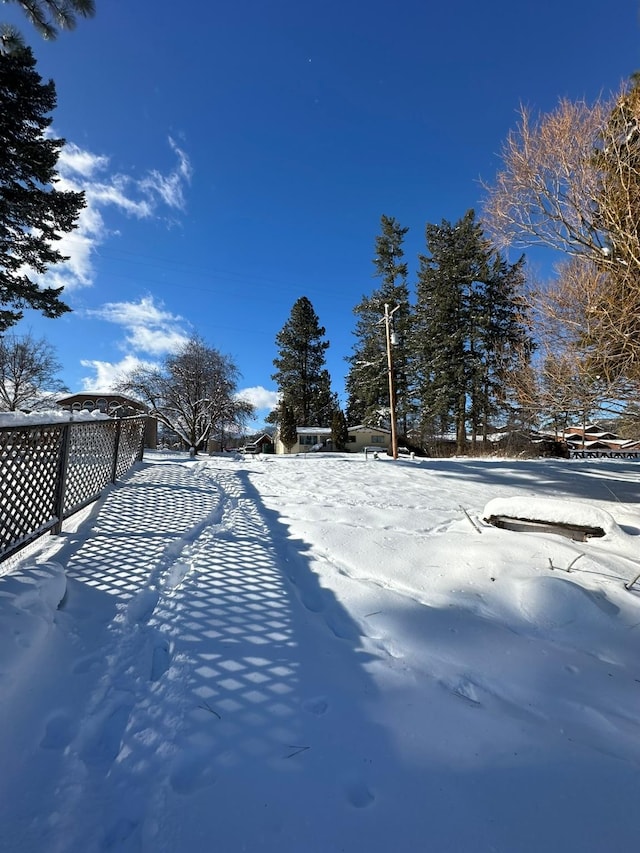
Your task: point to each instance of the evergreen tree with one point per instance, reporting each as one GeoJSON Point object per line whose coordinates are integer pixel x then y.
{"type": "Point", "coordinates": [505, 343]}
{"type": "Point", "coordinates": [50, 16]}
{"type": "Point", "coordinates": [287, 425]}
{"type": "Point", "coordinates": [443, 341]}
{"type": "Point", "coordinates": [471, 329]}
{"type": "Point", "coordinates": [33, 213]}
{"type": "Point", "coordinates": [367, 380]}
{"type": "Point", "coordinates": [339, 430]}
{"type": "Point", "coordinates": [302, 377]}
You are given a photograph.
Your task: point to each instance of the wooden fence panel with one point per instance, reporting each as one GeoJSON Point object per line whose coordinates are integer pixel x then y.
{"type": "Point", "coordinates": [50, 471]}
{"type": "Point", "coordinates": [90, 463]}
{"type": "Point", "coordinates": [29, 466]}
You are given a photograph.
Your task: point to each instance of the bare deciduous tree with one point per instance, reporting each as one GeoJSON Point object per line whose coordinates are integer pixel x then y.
{"type": "Point", "coordinates": [192, 393]}
{"type": "Point", "coordinates": [578, 376]}
{"type": "Point", "coordinates": [571, 181]}
{"type": "Point", "coordinates": [28, 368]}
{"type": "Point", "coordinates": [546, 192]}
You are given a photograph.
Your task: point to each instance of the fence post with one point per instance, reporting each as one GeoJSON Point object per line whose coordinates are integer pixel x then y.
{"type": "Point", "coordinates": [63, 464]}
{"type": "Point", "coordinates": [142, 439]}
{"type": "Point", "coordinates": [116, 451]}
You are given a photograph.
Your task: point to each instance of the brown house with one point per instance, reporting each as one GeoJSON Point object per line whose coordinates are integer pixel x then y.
{"type": "Point", "coordinates": [115, 405]}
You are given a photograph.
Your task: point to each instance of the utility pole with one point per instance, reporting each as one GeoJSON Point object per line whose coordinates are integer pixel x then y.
{"type": "Point", "coordinates": [392, 385]}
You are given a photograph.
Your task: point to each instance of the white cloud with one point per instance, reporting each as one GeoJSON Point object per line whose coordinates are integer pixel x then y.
{"type": "Point", "coordinates": [143, 198]}
{"type": "Point", "coordinates": [148, 327]}
{"type": "Point", "coordinates": [108, 374]}
{"type": "Point", "coordinates": [260, 397]}
{"type": "Point", "coordinates": [156, 341]}
{"type": "Point", "coordinates": [170, 188]}
{"type": "Point", "coordinates": [143, 312]}
{"type": "Point", "coordinates": [84, 164]}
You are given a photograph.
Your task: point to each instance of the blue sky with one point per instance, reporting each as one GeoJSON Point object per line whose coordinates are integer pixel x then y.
{"type": "Point", "coordinates": [237, 156]}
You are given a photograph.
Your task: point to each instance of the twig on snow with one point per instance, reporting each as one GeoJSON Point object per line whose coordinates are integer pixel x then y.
{"type": "Point", "coordinates": [475, 526]}
{"type": "Point", "coordinates": [296, 750]}
{"type": "Point", "coordinates": [206, 707]}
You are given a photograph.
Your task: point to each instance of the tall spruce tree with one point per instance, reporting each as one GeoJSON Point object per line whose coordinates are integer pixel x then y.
{"type": "Point", "coordinates": [505, 343]}
{"type": "Point", "coordinates": [470, 329]}
{"type": "Point", "coordinates": [442, 339]}
{"type": "Point", "coordinates": [33, 213]}
{"type": "Point", "coordinates": [367, 379]}
{"type": "Point", "coordinates": [301, 374]}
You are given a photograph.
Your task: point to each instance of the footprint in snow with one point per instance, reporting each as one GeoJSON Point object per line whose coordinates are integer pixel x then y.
{"type": "Point", "coordinates": [359, 794]}
{"type": "Point", "coordinates": [87, 664]}
{"type": "Point", "coordinates": [119, 833]}
{"type": "Point", "coordinates": [104, 738]}
{"type": "Point", "coordinates": [59, 731]}
{"type": "Point", "coordinates": [176, 574]}
{"type": "Point", "coordinates": [464, 688]}
{"type": "Point", "coordinates": [318, 705]}
{"type": "Point", "coordinates": [342, 628]}
{"type": "Point", "coordinates": [160, 659]}
{"type": "Point", "coordinates": [140, 609]}
{"type": "Point", "coordinates": [190, 772]}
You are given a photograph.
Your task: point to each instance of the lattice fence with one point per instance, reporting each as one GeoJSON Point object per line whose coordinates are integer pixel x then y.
{"type": "Point", "coordinates": [50, 471]}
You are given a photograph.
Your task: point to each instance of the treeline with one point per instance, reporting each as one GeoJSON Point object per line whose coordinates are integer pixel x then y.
{"type": "Point", "coordinates": [460, 345]}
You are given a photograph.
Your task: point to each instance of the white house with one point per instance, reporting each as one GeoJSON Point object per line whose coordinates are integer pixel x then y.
{"type": "Point", "coordinates": [365, 436]}
{"type": "Point", "coordinates": [308, 439]}
{"type": "Point", "coordinates": [311, 439]}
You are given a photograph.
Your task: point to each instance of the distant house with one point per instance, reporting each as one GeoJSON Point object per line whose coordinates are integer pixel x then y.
{"type": "Point", "coordinates": [314, 439]}
{"type": "Point", "coordinates": [309, 439]}
{"type": "Point", "coordinates": [264, 443]}
{"type": "Point", "coordinates": [363, 436]}
{"type": "Point", "coordinates": [593, 441]}
{"type": "Point", "coordinates": [116, 405]}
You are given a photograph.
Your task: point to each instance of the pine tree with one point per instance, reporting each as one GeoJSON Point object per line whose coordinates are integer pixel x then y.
{"type": "Point", "coordinates": [471, 329]}
{"type": "Point", "coordinates": [505, 342]}
{"type": "Point", "coordinates": [339, 430]}
{"type": "Point", "coordinates": [287, 425]}
{"type": "Point", "coordinates": [301, 375]}
{"type": "Point", "coordinates": [50, 16]}
{"type": "Point", "coordinates": [442, 339]}
{"type": "Point", "coordinates": [367, 380]}
{"type": "Point", "coordinates": [33, 213]}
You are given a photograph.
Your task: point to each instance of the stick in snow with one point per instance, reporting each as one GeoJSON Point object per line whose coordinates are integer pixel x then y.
{"type": "Point", "coordinates": [475, 526]}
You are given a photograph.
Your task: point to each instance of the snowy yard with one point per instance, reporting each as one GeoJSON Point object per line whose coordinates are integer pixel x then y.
{"type": "Point", "coordinates": [322, 653]}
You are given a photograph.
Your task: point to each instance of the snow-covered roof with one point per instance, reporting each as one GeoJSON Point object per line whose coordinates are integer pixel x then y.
{"type": "Point", "coordinates": [313, 430]}
{"type": "Point", "coordinates": [363, 428]}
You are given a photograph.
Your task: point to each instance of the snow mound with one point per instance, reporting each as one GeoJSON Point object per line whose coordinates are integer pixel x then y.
{"type": "Point", "coordinates": [28, 606]}
{"type": "Point", "coordinates": [554, 603]}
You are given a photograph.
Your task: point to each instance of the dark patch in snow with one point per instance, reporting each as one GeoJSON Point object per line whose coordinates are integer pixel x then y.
{"type": "Point", "coordinates": [577, 532]}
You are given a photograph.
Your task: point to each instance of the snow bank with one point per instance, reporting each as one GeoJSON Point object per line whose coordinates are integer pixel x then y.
{"type": "Point", "coordinates": [30, 599]}
{"type": "Point", "coordinates": [48, 416]}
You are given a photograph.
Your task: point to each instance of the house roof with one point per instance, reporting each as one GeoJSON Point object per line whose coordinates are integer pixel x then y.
{"type": "Point", "coordinates": [96, 395]}
{"type": "Point", "coordinates": [313, 430]}
{"type": "Point", "coordinates": [363, 428]}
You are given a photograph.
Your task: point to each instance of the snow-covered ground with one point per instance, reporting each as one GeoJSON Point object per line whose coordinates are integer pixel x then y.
{"type": "Point", "coordinates": [322, 653]}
